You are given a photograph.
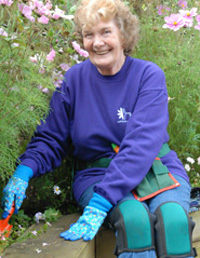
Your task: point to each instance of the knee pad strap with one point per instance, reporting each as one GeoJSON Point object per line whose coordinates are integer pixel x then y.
{"type": "Point", "coordinates": [134, 226]}
{"type": "Point", "coordinates": [174, 231]}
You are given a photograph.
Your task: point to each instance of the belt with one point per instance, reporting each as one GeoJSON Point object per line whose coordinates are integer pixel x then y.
{"type": "Point", "coordinates": [104, 162]}
{"type": "Point", "coordinates": [157, 180]}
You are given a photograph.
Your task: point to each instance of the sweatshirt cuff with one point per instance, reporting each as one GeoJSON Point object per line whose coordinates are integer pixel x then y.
{"type": "Point", "coordinates": [23, 172]}
{"type": "Point", "coordinates": [100, 203]}
{"type": "Point", "coordinates": [31, 163]}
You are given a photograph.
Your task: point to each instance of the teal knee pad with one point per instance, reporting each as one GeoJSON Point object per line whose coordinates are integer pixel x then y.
{"type": "Point", "coordinates": [134, 227]}
{"type": "Point", "coordinates": [173, 231]}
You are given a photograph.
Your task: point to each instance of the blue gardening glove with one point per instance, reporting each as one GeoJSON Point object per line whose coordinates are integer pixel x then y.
{"type": "Point", "coordinates": [89, 223]}
{"type": "Point", "coordinates": [15, 189]}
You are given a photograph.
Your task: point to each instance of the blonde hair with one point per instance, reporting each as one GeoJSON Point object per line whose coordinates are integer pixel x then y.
{"type": "Point", "coordinates": [90, 12]}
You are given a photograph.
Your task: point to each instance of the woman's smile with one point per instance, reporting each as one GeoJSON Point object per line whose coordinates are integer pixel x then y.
{"type": "Point", "coordinates": [105, 47]}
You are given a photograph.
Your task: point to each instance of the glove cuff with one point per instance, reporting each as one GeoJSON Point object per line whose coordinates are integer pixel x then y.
{"type": "Point", "coordinates": [23, 172]}
{"type": "Point", "coordinates": [100, 203]}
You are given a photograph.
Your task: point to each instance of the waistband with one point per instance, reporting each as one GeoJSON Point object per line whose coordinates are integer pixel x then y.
{"type": "Point", "coordinates": [104, 162]}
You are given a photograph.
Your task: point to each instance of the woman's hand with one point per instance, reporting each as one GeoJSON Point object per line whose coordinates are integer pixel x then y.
{"type": "Point", "coordinates": [87, 225]}
{"type": "Point", "coordinates": [13, 192]}
{"type": "Point", "coordinates": [15, 189]}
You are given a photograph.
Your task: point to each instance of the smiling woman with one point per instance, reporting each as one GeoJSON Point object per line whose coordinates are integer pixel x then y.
{"type": "Point", "coordinates": [91, 12]}
{"type": "Point", "coordinates": [103, 30]}
{"type": "Point", "coordinates": [114, 109]}
{"type": "Point", "coordinates": [105, 47]}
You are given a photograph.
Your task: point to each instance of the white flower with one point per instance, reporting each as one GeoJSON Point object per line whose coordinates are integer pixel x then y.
{"type": "Point", "coordinates": [75, 58]}
{"type": "Point", "coordinates": [44, 244]}
{"type": "Point", "coordinates": [198, 160]}
{"type": "Point", "coordinates": [36, 58]}
{"type": "Point", "coordinates": [187, 167]}
{"type": "Point", "coordinates": [34, 232]}
{"type": "Point", "coordinates": [169, 98]}
{"type": "Point", "coordinates": [20, 227]}
{"type": "Point", "coordinates": [49, 224]}
{"type": "Point", "coordinates": [56, 189]}
{"type": "Point", "coordinates": [190, 160]}
{"type": "Point", "coordinates": [38, 251]}
{"type": "Point", "coordinates": [39, 216]}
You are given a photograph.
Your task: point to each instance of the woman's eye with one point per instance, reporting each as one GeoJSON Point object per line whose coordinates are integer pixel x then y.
{"type": "Point", "coordinates": [107, 31]}
{"type": "Point", "coordinates": [88, 35]}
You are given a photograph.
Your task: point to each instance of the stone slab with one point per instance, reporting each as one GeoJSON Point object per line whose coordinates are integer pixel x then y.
{"type": "Point", "coordinates": [105, 243]}
{"type": "Point", "coordinates": [56, 246]}
{"type": "Point", "coordinates": [196, 232]}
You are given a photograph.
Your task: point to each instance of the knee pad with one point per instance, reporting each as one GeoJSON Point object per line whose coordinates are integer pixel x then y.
{"type": "Point", "coordinates": [134, 227]}
{"type": "Point", "coordinates": [173, 231]}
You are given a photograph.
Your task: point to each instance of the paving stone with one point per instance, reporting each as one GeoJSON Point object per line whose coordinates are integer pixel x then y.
{"type": "Point", "coordinates": [105, 243]}
{"type": "Point", "coordinates": [57, 247]}
{"type": "Point", "coordinates": [196, 218]}
{"type": "Point", "coordinates": [196, 233]}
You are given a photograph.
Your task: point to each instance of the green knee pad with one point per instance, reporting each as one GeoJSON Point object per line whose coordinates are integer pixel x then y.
{"type": "Point", "coordinates": [173, 231]}
{"type": "Point", "coordinates": [134, 227]}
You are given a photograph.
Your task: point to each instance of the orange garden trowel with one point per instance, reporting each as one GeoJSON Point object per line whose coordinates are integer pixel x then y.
{"type": "Point", "coordinates": [5, 228]}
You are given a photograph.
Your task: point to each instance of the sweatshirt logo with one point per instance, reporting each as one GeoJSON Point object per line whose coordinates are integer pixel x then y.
{"type": "Point", "coordinates": [123, 115]}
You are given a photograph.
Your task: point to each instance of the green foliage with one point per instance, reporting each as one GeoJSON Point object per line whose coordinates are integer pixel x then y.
{"type": "Point", "coordinates": [177, 53]}
{"type": "Point", "coordinates": [26, 86]}
{"type": "Point", "coordinates": [42, 198]}
{"type": "Point", "coordinates": [51, 215]}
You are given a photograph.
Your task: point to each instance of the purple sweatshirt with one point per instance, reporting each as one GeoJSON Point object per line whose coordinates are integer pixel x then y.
{"type": "Point", "coordinates": [129, 109]}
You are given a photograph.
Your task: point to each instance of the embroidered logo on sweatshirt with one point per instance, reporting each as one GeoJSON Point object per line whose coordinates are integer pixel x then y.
{"type": "Point", "coordinates": [123, 115]}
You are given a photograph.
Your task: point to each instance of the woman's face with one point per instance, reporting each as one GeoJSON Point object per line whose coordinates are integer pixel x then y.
{"type": "Point", "coordinates": [104, 44]}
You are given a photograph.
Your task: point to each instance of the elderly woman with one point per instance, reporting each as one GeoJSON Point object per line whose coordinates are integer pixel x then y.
{"type": "Point", "coordinates": [113, 100]}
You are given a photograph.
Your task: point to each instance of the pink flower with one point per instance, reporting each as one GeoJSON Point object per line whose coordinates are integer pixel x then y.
{"type": "Point", "coordinates": [161, 9]}
{"type": "Point", "coordinates": [198, 18]}
{"type": "Point", "coordinates": [3, 239]}
{"type": "Point", "coordinates": [43, 19]}
{"type": "Point", "coordinates": [83, 53]}
{"type": "Point", "coordinates": [26, 11]}
{"type": "Point", "coordinates": [42, 70]}
{"type": "Point", "coordinates": [48, 5]}
{"type": "Point", "coordinates": [188, 16]}
{"type": "Point", "coordinates": [44, 90]}
{"type": "Point", "coordinates": [78, 49]}
{"type": "Point", "coordinates": [3, 32]}
{"type": "Point", "coordinates": [58, 13]}
{"type": "Point", "coordinates": [182, 4]}
{"type": "Point", "coordinates": [43, 9]}
{"type": "Point", "coordinates": [174, 22]}
{"type": "Point", "coordinates": [34, 58]}
{"type": "Point", "coordinates": [6, 2]}
{"type": "Point", "coordinates": [57, 78]}
{"type": "Point", "coordinates": [64, 67]}
{"type": "Point", "coordinates": [51, 55]}
{"type": "Point", "coordinates": [197, 27]}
